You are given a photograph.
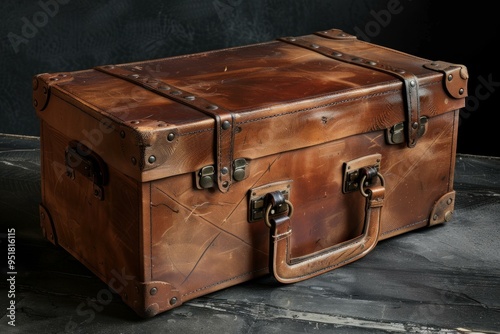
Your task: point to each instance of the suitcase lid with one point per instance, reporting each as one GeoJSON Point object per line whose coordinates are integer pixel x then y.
{"type": "Point", "coordinates": [213, 112]}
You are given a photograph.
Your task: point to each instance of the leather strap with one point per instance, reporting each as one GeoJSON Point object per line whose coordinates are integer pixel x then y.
{"type": "Point", "coordinates": [224, 119]}
{"type": "Point", "coordinates": [410, 82]}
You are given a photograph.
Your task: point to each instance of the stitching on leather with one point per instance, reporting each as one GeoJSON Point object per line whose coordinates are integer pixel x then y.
{"type": "Point", "coordinates": [224, 281]}
{"type": "Point", "coordinates": [328, 104]}
{"type": "Point", "coordinates": [332, 266]}
{"type": "Point", "coordinates": [195, 132]}
{"type": "Point", "coordinates": [406, 226]}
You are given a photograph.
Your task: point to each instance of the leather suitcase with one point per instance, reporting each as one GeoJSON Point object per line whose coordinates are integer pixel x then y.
{"type": "Point", "coordinates": [176, 177]}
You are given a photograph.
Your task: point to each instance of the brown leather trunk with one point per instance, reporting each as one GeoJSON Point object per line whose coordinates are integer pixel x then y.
{"type": "Point", "coordinates": [177, 177]}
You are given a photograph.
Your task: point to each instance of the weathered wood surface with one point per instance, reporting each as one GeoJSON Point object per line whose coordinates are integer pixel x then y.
{"type": "Point", "coordinates": [434, 280]}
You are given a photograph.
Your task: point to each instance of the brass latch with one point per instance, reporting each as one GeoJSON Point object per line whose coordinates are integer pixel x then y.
{"type": "Point", "coordinates": [396, 133]}
{"type": "Point", "coordinates": [206, 178]}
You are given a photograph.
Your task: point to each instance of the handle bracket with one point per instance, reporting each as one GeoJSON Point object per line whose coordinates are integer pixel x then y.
{"type": "Point", "coordinates": [356, 170]}
{"type": "Point", "coordinates": [81, 159]}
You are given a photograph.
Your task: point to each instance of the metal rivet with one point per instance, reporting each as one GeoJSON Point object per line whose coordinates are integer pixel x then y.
{"type": "Point", "coordinates": [224, 170]}
{"type": "Point", "coordinates": [401, 71]}
{"type": "Point", "coordinates": [212, 107]}
{"type": "Point", "coordinates": [135, 122]}
{"type": "Point", "coordinates": [153, 291]}
{"type": "Point", "coordinates": [337, 54]}
{"type": "Point", "coordinates": [435, 217]}
{"type": "Point", "coordinates": [225, 184]}
{"type": "Point", "coordinates": [35, 102]}
{"type": "Point", "coordinates": [434, 64]}
{"type": "Point", "coordinates": [110, 66]}
{"type": "Point", "coordinates": [461, 91]}
{"type": "Point", "coordinates": [151, 159]}
{"type": "Point", "coordinates": [173, 301]}
{"type": "Point", "coordinates": [448, 215]}
{"type": "Point", "coordinates": [315, 46]}
{"type": "Point", "coordinates": [135, 75]}
{"type": "Point", "coordinates": [134, 160]}
{"type": "Point", "coordinates": [170, 136]}
{"type": "Point", "coordinates": [450, 77]}
{"type": "Point", "coordinates": [413, 83]}
{"type": "Point", "coordinates": [292, 39]}
{"type": "Point", "coordinates": [449, 201]}
{"type": "Point", "coordinates": [163, 87]}
{"type": "Point", "coordinates": [414, 125]}
{"type": "Point", "coordinates": [190, 97]}
{"type": "Point", "coordinates": [373, 63]}
{"type": "Point", "coordinates": [122, 134]}
{"type": "Point", "coordinates": [42, 215]}
{"type": "Point", "coordinates": [176, 92]}
{"type": "Point", "coordinates": [226, 125]}
{"type": "Point", "coordinates": [342, 35]}
{"type": "Point", "coordinates": [355, 59]}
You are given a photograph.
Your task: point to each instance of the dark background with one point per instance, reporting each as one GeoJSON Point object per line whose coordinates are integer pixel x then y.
{"type": "Point", "coordinates": [68, 35]}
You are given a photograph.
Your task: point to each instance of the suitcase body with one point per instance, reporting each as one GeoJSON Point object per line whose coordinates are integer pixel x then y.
{"type": "Point", "coordinates": [177, 177]}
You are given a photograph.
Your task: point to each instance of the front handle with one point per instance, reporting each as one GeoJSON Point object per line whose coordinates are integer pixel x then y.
{"type": "Point", "coordinates": [286, 271]}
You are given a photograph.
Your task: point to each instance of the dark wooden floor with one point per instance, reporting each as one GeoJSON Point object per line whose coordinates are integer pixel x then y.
{"type": "Point", "coordinates": [444, 279]}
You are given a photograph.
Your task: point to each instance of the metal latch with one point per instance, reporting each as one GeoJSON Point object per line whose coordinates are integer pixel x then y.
{"type": "Point", "coordinates": [205, 178]}
{"type": "Point", "coordinates": [240, 170]}
{"type": "Point", "coordinates": [89, 165]}
{"type": "Point", "coordinates": [396, 134]}
{"type": "Point", "coordinates": [258, 202]}
{"type": "Point", "coordinates": [361, 172]}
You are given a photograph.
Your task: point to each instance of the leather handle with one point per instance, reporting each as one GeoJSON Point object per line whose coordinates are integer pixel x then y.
{"type": "Point", "coordinates": [287, 271]}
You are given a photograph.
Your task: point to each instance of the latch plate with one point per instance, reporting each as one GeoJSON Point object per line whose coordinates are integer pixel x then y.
{"type": "Point", "coordinates": [257, 200]}
{"type": "Point", "coordinates": [352, 171]}
{"type": "Point", "coordinates": [396, 133]}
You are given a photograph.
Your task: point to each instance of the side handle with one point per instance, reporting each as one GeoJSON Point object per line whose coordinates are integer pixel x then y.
{"type": "Point", "coordinates": [81, 159]}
